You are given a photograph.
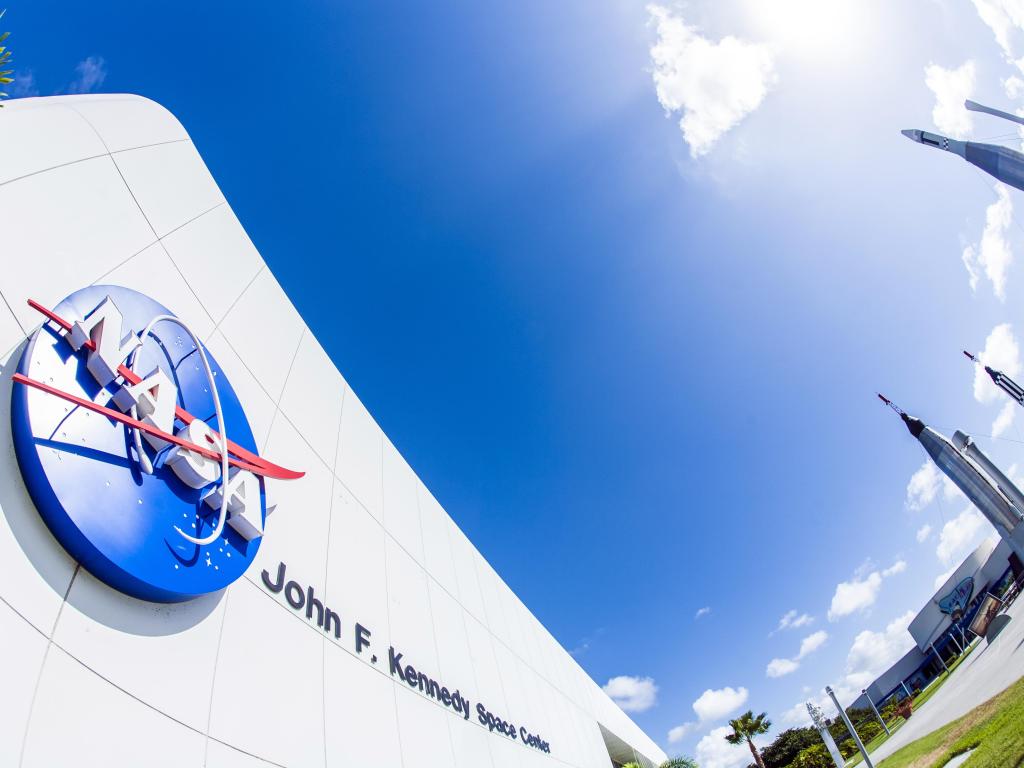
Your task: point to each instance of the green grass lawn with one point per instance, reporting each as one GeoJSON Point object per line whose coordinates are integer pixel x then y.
{"type": "Point", "coordinates": [919, 702]}
{"type": "Point", "coordinates": [994, 730]}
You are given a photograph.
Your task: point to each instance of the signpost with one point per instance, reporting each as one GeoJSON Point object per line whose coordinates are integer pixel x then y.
{"type": "Point", "coordinates": [849, 727]}
{"type": "Point", "coordinates": [875, 710]}
{"type": "Point", "coordinates": [989, 609]}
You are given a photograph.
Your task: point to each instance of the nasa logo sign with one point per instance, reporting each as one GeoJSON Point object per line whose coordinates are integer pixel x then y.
{"type": "Point", "coordinates": [956, 602]}
{"type": "Point", "coordinates": [135, 448]}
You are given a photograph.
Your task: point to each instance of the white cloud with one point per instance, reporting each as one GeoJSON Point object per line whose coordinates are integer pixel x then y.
{"type": "Point", "coordinates": [1013, 86]}
{"type": "Point", "coordinates": [811, 643]}
{"type": "Point", "coordinates": [923, 486]}
{"type": "Point", "coordinates": [855, 595]}
{"type": "Point", "coordinates": [1004, 420]}
{"type": "Point", "coordinates": [874, 652]}
{"type": "Point", "coordinates": [870, 654]}
{"type": "Point", "coordinates": [970, 260]}
{"type": "Point", "coordinates": [950, 492]}
{"type": "Point", "coordinates": [1005, 18]}
{"type": "Point", "coordinates": [923, 533]}
{"type": "Point", "coordinates": [714, 84]}
{"type": "Point", "coordinates": [713, 751]}
{"type": "Point", "coordinates": [90, 74]}
{"type": "Point", "coordinates": [898, 567]}
{"type": "Point", "coordinates": [710, 706]}
{"type": "Point", "coordinates": [716, 704]}
{"type": "Point", "coordinates": [793, 620]}
{"type": "Point", "coordinates": [801, 621]}
{"type": "Point", "coordinates": [702, 612]}
{"type": "Point", "coordinates": [680, 732]}
{"type": "Point", "coordinates": [797, 714]}
{"type": "Point", "coordinates": [781, 667]}
{"type": "Point", "coordinates": [994, 254]}
{"type": "Point", "coordinates": [959, 534]}
{"type": "Point", "coordinates": [1014, 474]}
{"type": "Point", "coordinates": [941, 578]}
{"type": "Point", "coordinates": [24, 85]}
{"type": "Point", "coordinates": [951, 87]}
{"type": "Point", "coordinates": [632, 694]}
{"type": "Point", "coordinates": [1002, 353]}
{"type": "Point", "coordinates": [860, 592]}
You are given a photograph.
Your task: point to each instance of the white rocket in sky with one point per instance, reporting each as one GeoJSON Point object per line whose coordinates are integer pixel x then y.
{"type": "Point", "coordinates": [1005, 164]}
{"type": "Point", "coordinates": [981, 481]}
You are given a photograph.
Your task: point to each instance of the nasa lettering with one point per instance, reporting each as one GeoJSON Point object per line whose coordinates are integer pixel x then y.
{"type": "Point", "coordinates": [135, 448]}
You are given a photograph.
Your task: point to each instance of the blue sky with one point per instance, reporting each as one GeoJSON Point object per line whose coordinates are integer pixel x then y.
{"type": "Point", "coordinates": [635, 360]}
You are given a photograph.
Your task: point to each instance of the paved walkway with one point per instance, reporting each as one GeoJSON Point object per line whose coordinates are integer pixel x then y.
{"type": "Point", "coordinates": [988, 670]}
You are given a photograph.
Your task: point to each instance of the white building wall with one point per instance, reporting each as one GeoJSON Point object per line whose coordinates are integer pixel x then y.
{"type": "Point", "coordinates": [109, 189]}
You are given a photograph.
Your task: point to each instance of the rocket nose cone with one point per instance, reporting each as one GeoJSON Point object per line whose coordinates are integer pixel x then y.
{"type": "Point", "coordinates": [912, 134]}
{"type": "Point", "coordinates": [914, 424]}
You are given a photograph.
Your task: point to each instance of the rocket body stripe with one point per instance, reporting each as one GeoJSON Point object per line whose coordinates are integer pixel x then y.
{"type": "Point", "coordinates": [1008, 385]}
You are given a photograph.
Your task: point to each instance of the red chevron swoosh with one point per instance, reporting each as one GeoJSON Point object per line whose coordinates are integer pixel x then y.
{"type": "Point", "coordinates": [242, 458]}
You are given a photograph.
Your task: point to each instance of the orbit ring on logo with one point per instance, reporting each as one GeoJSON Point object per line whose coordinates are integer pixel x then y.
{"type": "Point", "coordinates": [135, 448]}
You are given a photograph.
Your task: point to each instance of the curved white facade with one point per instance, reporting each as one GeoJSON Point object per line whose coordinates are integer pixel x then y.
{"type": "Point", "coordinates": [109, 189]}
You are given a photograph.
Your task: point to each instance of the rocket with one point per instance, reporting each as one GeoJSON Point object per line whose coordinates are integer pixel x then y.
{"type": "Point", "coordinates": [1005, 164]}
{"type": "Point", "coordinates": [1001, 380]}
{"type": "Point", "coordinates": [991, 491]}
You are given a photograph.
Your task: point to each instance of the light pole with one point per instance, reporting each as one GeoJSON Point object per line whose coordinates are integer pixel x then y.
{"type": "Point", "coordinates": [875, 710]}
{"type": "Point", "coordinates": [819, 722]}
{"type": "Point", "coordinates": [849, 727]}
{"type": "Point", "coordinates": [952, 636]}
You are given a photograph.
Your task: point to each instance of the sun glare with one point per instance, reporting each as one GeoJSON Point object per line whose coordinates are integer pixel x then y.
{"type": "Point", "coordinates": [811, 28]}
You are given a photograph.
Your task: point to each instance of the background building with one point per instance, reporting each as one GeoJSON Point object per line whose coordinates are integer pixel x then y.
{"type": "Point", "coordinates": [110, 190]}
{"type": "Point", "coordinates": [935, 632]}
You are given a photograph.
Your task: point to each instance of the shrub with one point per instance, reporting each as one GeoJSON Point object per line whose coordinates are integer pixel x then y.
{"type": "Point", "coordinates": [868, 730]}
{"type": "Point", "coordinates": [787, 745]}
{"type": "Point", "coordinates": [847, 748]}
{"type": "Point", "coordinates": [815, 756]}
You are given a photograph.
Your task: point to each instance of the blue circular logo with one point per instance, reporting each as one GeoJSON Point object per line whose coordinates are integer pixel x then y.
{"type": "Point", "coordinates": [135, 448]}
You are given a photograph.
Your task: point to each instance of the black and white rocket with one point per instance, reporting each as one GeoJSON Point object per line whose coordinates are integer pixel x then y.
{"type": "Point", "coordinates": [1003, 163]}
{"type": "Point", "coordinates": [1000, 379]}
{"type": "Point", "coordinates": [981, 481]}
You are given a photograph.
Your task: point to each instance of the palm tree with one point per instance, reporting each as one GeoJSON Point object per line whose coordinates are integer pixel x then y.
{"type": "Point", "coordinates": [745, 728]}
{"type": "Point", "coordinates": [679, 762]}
{"type": "Point", "coordinates": [5, 57]}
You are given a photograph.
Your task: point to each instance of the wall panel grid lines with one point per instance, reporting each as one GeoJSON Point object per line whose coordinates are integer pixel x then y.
{"type": "Point", "coordinates": [244, 677]}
